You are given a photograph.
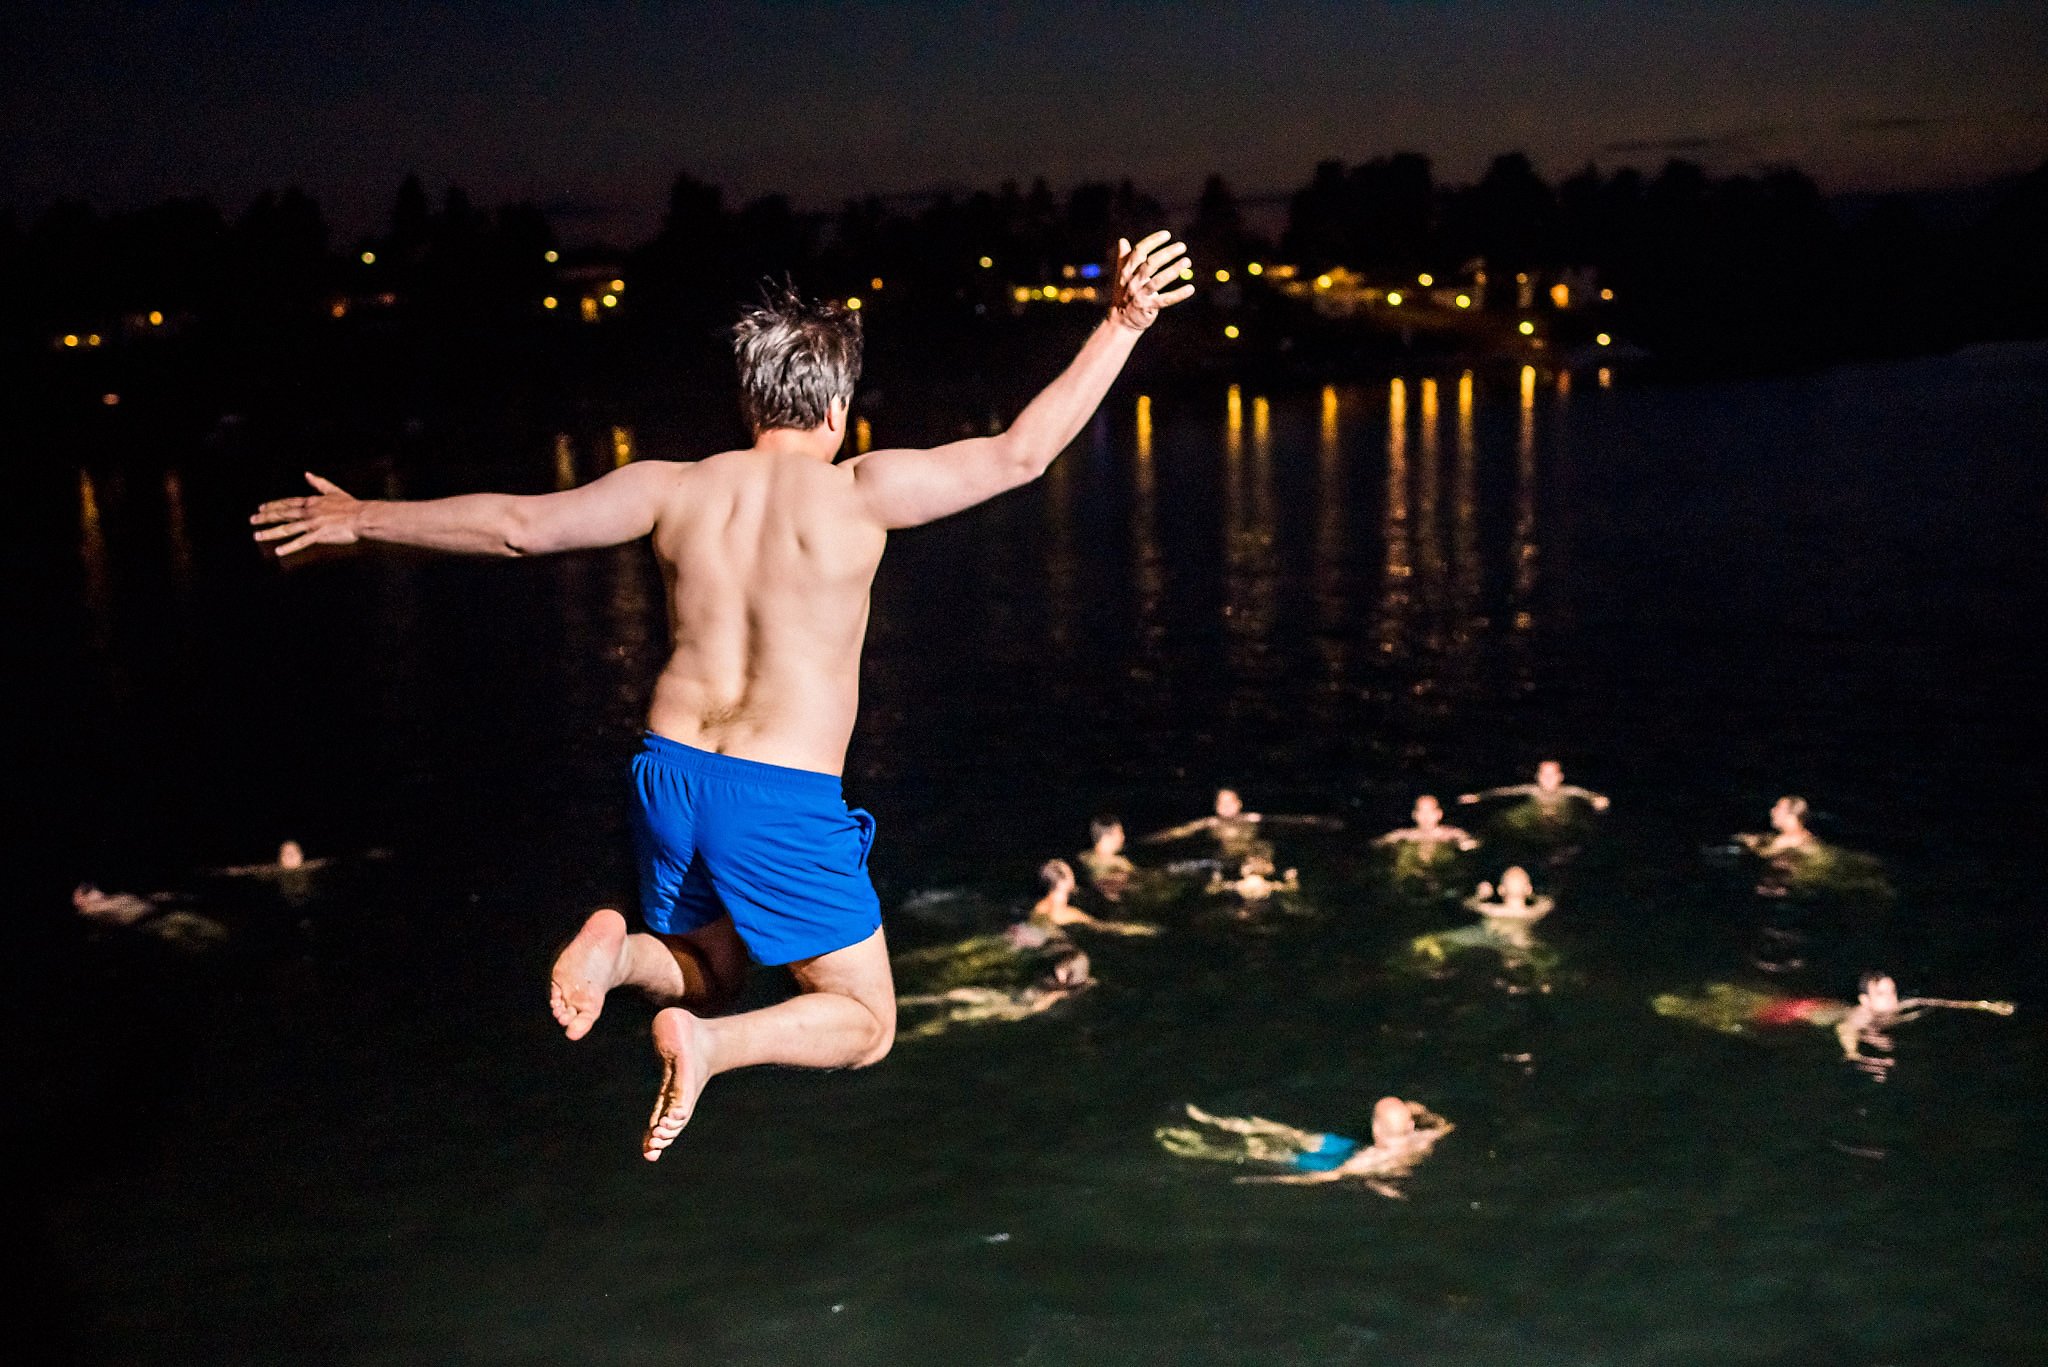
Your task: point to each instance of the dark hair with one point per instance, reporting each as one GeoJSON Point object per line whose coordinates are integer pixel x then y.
{"type": "Point", "coordinates": [1103, 825]}
{"type": "Point", "coordinates": [795, 356]}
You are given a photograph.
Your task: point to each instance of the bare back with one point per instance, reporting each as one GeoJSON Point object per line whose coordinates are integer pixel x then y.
{"type": "Point", "coordinates": [768, 558]}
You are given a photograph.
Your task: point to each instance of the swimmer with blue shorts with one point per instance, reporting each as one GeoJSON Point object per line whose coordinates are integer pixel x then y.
{"type": "Point", "coordinates": [1403, 1133]}
{"type": "Point", "coordinates": [747, 849]}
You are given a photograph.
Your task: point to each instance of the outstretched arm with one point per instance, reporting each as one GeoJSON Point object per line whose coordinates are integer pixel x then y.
{"type": "Point", "coordinates": [1180, 832]}
{"type": "Point", "coordinates": [1511, 790]}
{"type": "Point", "coordinates": [1598, 801]}
{"type": "Point", "coordinates": [620, 507]}
{"type": "Point", "coordinates": [907, 488]}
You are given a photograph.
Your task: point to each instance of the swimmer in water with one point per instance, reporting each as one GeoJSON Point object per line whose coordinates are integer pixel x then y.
{"type": "Point", "coordinates": [1235, 829]}
{"type": "Point", "coordinates": [1109, 868]}
{"type": "Point", "coordinates": [1255, 881]}
{"type": "Point", "coordinates": [1549, 792]}
{"type": "Point", "coordinates": [1429, 834]}
{"type": "Point", "coordinates": [1735, 1010]}
{"type": "Point", "coordinates": [1054, 910]}
{"type": "Point", "coordinates": [748, 851]}
{"type": "Point", "coordinates": [186, 929]}
{"type": "Point", "coordinates": [1516, 903]}
{"type": "Point", "coordinates": [291, 858]}
{"type": "Point", "coordinates": [113, 908]}
{"type": "Point", "coordinates": [1504, 928]}
{"type": "Point", "coordinates": [1788, 835]}
{"type": "Point", "coordinates": [1403, 1133]}
{"type": "Point", "coordinates": [972, 1005]}
{"type": "Point", "coordinates": [1799, 863]}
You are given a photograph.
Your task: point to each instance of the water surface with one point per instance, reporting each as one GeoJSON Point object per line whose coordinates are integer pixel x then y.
{"type": "Point", "coordinates": [352, 1134]}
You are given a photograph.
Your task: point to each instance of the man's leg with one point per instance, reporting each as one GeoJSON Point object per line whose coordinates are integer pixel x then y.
{"type": "Point", "coordinates": [703, 968]}
{"type": "Point", "coordinates": [844, 1017]}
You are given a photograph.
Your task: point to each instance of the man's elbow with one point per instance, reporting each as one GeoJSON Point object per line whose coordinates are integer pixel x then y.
{"type": "Point", "coordinates": [519, 534]}
{"type": "Point", "coordinates": [1022, 460]}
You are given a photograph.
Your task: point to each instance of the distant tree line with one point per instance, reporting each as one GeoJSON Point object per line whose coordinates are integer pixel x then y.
{"type": "Point", "coordinates": [1753, 270]}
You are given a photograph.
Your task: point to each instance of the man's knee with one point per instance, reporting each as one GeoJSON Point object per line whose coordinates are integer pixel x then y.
{"type": "Point", "coordinates": [881, 1037]}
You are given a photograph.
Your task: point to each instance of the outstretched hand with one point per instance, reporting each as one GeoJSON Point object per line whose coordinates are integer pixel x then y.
{"type": "Point", "coordinates": [1143, 274]}
{"type": "Point", "coordinates": [328, 518]}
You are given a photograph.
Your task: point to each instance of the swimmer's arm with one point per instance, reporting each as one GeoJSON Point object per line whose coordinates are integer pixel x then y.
{"type": "Point", "coordinates": [1294, 1179]}
{"type": "Point", "coordinates": [1321, 823]}
{"type": "Point", "coordinates": [1511, 790]}
{"type": "Point", "coordinates": [1186, 828]}
{"type": "Point", "coordinates": [1599, 801]}
{"type": "Point", "coordinates": [622, 506]}
{"type": "Point", "coordinates": [907, 488]}
{"type": "Point", "coordinates": [1995, 1008]}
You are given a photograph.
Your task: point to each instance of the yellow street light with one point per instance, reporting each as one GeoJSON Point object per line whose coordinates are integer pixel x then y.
{"type": "Point", "coordinates": [1527, 328]}
{"type": "Point", "coordinates": [1425, 280]}
{"type": "Point", "coordinates": [1603, 340]}
{"type": "Point", "coordinates": [551, 256]}
{"type": "Point", "coordinates": [1464, 301]}
{"type": "Point", "coordinates": [1254, 269]}
{"type": "Point", "coordinates": [618, 287]}
{"type": "Point", "coordinates": [92, 339]}
{"type": "Point", "coordinates": [987, 261]}
{"type": "Point", "coordinates": [156, 319]}
{"type": "Point", "coordinates": [1607, 294]}
{"type": "Point", "coordinates": [1394, 298]}
{"type": "Point", "coordinates": [875, 283]}
{"type": "Point", "coordinates": [70, 339]}
{"type": "Point", "coordinates": [853, 302]}
{"type": "Point", "coordinates": [1021, 294]}
{"type": "Point", "coordinates": [1051, 291]}
{"type": "Point", "coordinates": [1222, 276]}
{"type": "Point", "coordinates": [369, 258]}
{"type": "Point", "coordinates": [550, 302]}
{"type": "Point", "coordinates": [1231, 332]}
{"type": "Point", "coordinates": [1323, 282]}
{"type": "Point", "coordinates": [1187, 272]}
{"type": "Point", "coordinates": [611, 301]}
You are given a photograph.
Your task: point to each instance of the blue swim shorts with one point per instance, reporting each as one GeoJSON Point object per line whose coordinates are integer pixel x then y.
{"type": "Point", "coordinates": [1330, 1152]}
{"type": "Point", "coordinates": [776, 849]}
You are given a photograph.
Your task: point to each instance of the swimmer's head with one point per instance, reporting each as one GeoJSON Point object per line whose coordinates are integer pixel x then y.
{"type": "Point", "coordinates": [1108, 834]}
{"type": "Point", "coordinates": [1879, 992]}
{"type": "Point", "coordinates": [1549, 775]}
{"type": "Point", "coordinates": [1788, 814]}
{"type": "Point", "coordinates": [1515, 885]}
{"type": "Point", "coordinates": [290, 856]}
{"type": "Point", "coordinates": [1255, 866]}
{"type": "Point", "coordinates": [1057, 875]}
{"type": "Point", "coordinates": [1391, 1120]}
{"type": "Point", "coordinates": [1428, 813]}
{"type": "Point", "coordinates": [798, 362]}
{"type": "Point", "coordinates": [1228, 804]}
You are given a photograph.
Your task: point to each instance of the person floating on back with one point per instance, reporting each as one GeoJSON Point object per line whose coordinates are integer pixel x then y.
{"type": "Point", "coordinates": [747, 848]}
{"type": "Point", "coordinates": [1862, 1025]}
{"type": "Point", "coordinates": [1403, 1133]}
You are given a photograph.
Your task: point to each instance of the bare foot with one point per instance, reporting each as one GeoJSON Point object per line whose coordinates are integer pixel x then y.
{"type": "Point", "coordinates": [679, 1038]}
{"type": "Point", "coordinates": [588, 967]}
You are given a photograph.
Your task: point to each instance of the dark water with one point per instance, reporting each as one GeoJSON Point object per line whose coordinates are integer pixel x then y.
{"type": "Point", "coordinates": [351, 1133]}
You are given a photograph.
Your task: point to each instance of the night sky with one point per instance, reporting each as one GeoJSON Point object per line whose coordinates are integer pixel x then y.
{"type": "Point", "coordinates": [591, 109]}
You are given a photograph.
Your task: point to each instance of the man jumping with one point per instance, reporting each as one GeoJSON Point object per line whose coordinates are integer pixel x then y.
{"type": "Point", "coordinates": [746, 846]}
